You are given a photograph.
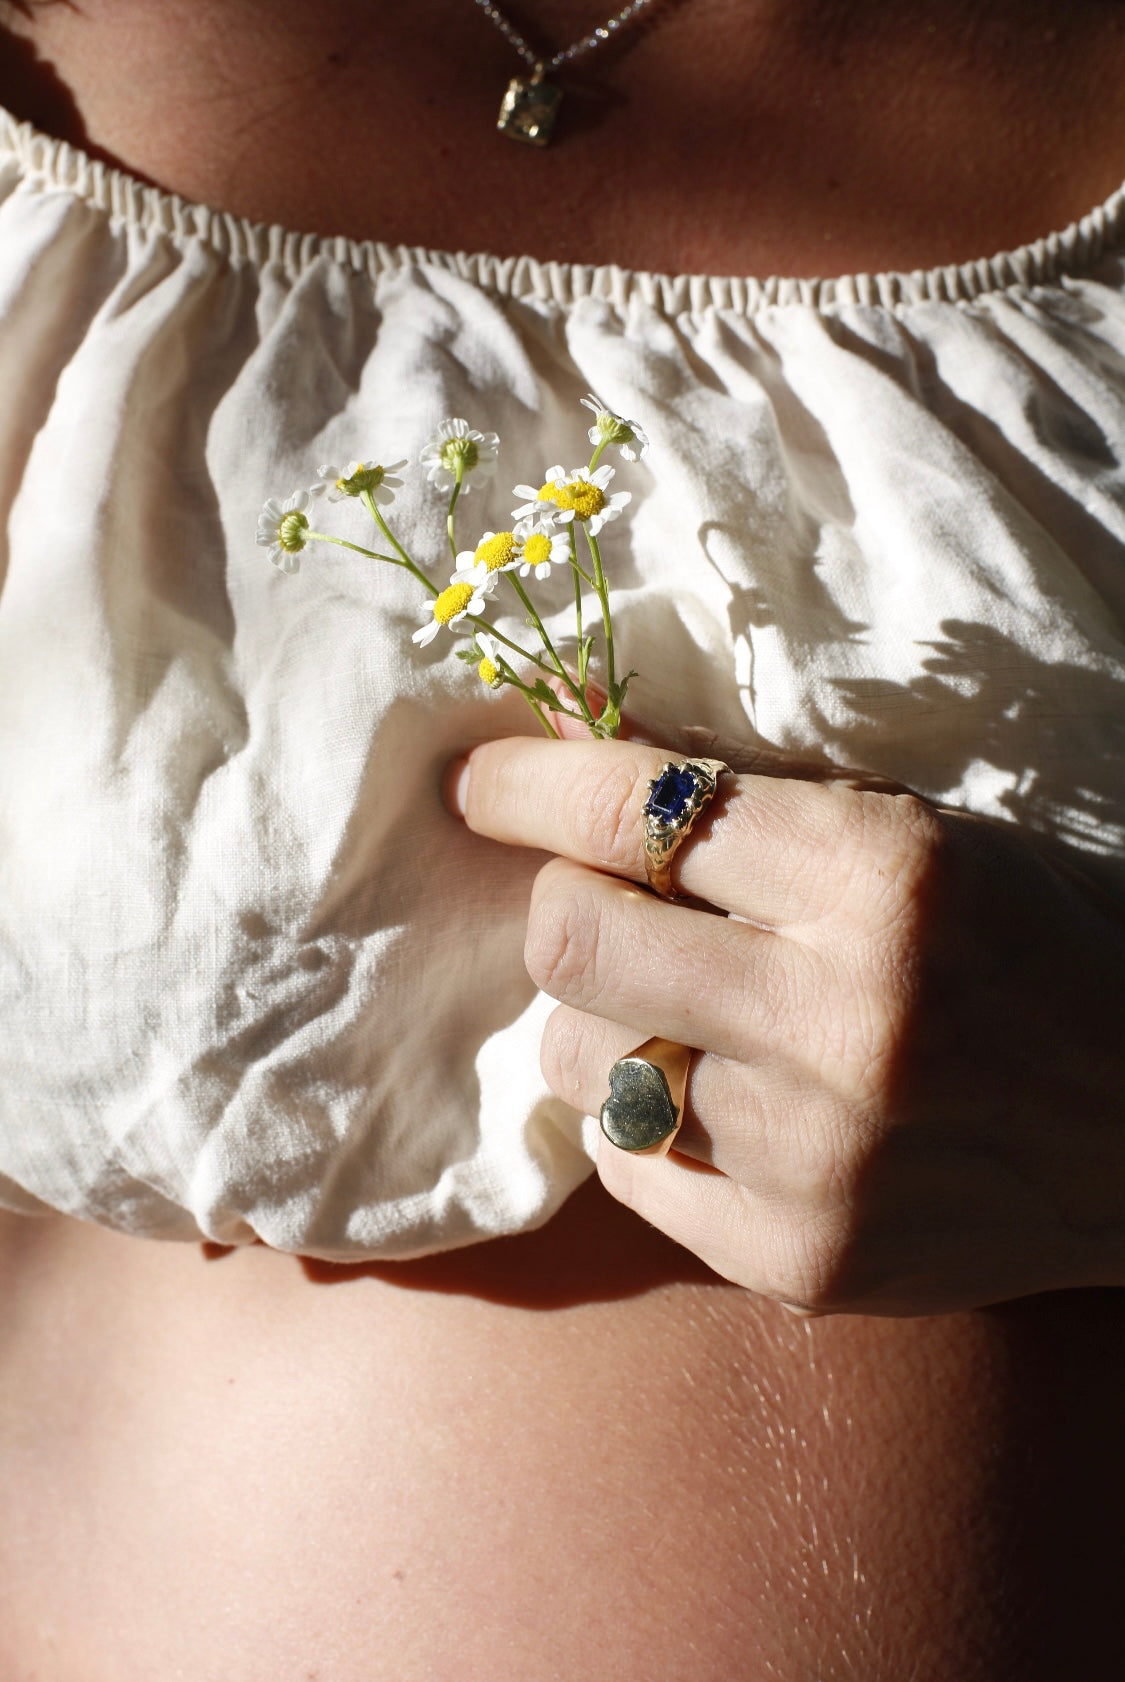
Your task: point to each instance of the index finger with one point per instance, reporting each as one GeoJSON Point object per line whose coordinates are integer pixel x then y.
{"type": "Point", "coordinates": [777, 851]}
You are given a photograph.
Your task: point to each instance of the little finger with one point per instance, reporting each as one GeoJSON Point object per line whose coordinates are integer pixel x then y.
{"type": "Point", "coordinates": [753, 1240]}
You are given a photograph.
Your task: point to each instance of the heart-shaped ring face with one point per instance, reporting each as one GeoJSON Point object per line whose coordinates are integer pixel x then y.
{"type": "Point", "coordinates": [639, 1113]}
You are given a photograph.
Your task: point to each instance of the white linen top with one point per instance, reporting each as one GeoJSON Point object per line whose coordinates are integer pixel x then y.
{"type": "Point", "coordinates": [255, 981]}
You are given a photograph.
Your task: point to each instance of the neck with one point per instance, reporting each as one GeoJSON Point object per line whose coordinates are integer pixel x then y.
{"type": "Point", "coordinates": [751, 136]}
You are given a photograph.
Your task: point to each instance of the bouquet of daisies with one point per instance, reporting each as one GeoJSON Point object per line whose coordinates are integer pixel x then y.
{"type": "Point", "coordinates": [544, 535]}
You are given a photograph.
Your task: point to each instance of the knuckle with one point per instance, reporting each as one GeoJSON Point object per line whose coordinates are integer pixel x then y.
{"type": "Point", "coordinates": [906, 837]}
{"type": "Point", "coordinates": [561, 947]}
{"type": "Point", "coordinates": [606, 820]}
{"type": "Point", "coordinates": [804, 1258]}
{"type": "Point", "coordinates": [887, 844]}
{"type": "Point", "coordinates": [858, 1026]}
{"type": "Point", "coordinates": [811, 1238]}
{"type": "Point", "coordinates": [559, 1056]}
{"type": "Point", "coordinates": [874, 976]}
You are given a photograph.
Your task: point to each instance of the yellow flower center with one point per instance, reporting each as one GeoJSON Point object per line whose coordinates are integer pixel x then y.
{"type": "Point", "coordinates": [291, 531]}
{"type": "Point", "coordinates": [537, 549]}
{"type": "Point", "coordinates": [459, 454]}
{"type": "Point", "coordinates": [489, 672]}
{"type": "Point", "coordinates": [585, 498]}
{"type": "Point", "coordinates": [497, 551]}
{"type": "Point", "coordinates": [452, 601]}
{"type": "Point", "coordinates": [363, 479]}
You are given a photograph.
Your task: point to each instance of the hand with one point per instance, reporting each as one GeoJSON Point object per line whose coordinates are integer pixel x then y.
{"type": "Point", "coordinates": [910, 1092]}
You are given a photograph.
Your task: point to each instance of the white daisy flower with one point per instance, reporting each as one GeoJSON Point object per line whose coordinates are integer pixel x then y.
{"type": "Point", "coordinates": [541, 547]}
{"type": "Point", "coordinates": [337, 483]}
{"type": "Point", "coordinates": [497, 551]}
{"type": "Point", "coordinates": [489, 669]}
{"type": "Point", "coordinates": [456, 447]}
{"type": "Point", "coordinates": [610, 428]}
{"type": "Point", "coordinates": [467, 593]}
{"type": "Point", "coordinates": [281, 530]}
{"type": "Point", "coordinates": [579, 495]}
{"type": "Point", "coordinates": [540, 500]}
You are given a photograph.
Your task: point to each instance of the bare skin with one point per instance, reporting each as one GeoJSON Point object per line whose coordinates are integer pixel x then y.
{"type": "Point", "coordinates": [576, 1453]}
{"type": "Point", "coordinates": [732, 136]}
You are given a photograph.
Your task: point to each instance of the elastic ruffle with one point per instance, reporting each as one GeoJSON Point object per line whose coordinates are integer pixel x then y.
{"type": "Point", "coordinates": [56, 166]}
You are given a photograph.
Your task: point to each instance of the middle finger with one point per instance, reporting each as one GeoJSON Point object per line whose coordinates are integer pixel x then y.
{"type": "Point", "coordinates": [601, 945]}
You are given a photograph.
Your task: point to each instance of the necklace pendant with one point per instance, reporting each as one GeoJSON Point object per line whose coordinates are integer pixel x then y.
{"type": "Point", "coordinates": [528, 110]}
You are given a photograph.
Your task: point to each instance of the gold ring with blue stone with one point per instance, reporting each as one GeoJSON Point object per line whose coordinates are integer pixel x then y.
{"type": "Point", "coordinates": [677, 795]}
{"type": "Point", "coordinates": [647, 1092]}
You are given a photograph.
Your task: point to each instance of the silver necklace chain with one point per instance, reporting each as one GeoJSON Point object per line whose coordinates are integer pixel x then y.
{"type": "Point", "coordinates": [577, 49]}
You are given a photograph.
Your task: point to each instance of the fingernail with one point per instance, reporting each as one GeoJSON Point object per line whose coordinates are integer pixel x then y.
{"type": "Point", "coordinates": [455, 787]}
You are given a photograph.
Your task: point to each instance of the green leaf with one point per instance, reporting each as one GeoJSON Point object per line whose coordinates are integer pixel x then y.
{"type": "Point", "coordinates": [609, 721]}
{"type": "Point", "coordinates": [584, 648]}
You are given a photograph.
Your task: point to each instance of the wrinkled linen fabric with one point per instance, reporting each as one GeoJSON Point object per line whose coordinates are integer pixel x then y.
{"type": "Point", "coordinates": [255, 981]}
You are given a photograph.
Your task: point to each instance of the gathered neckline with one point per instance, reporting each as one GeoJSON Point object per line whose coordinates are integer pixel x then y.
{"type": "Point", "coordinates": [57, 165]}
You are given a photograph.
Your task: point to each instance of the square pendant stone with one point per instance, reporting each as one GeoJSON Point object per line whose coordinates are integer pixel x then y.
{"type": "Point", "coordinates": [672, 795]}
{"type": "Point", "coordinates": [528, 111]}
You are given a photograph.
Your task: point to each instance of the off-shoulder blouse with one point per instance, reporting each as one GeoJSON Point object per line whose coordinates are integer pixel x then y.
{"type": "Point", "coordinates": [255, 981]}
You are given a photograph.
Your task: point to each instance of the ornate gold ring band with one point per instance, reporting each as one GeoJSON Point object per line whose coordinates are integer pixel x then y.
{"type": "Point", "coordinates": [678, 795]}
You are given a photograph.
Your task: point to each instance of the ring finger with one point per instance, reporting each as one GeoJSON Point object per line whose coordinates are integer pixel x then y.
{"type": "Point", "coordinates": [762, 1126]}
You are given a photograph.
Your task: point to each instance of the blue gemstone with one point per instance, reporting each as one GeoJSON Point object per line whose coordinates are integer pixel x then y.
{"type": "Point", "coordinates": [673, 794]}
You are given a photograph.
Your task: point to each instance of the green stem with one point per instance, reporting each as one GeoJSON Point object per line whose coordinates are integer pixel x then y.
{"type": "Point", "coordinates": [513, 678]}
{"type": "Point", "coordinates": [602, 588]}
{"type": "Point", "coordinates": [597, 455]}
{"type": "Point", "coordinates": [550, 647]}
{"type": "Point", "coordinates": [576, 569]}
{"type": "Point", "coordinates": [452, 506]}
{"type": "Point", "coordinates": [542, 717]}
{"type": "Point", "coordinates": [478, 619]}
{"type": "Point", "coordinates": [532, 699]}
{"type": "Point", "coordinates": [342, 542]}
{"type": "Point", "coordinates": [373, 509]}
